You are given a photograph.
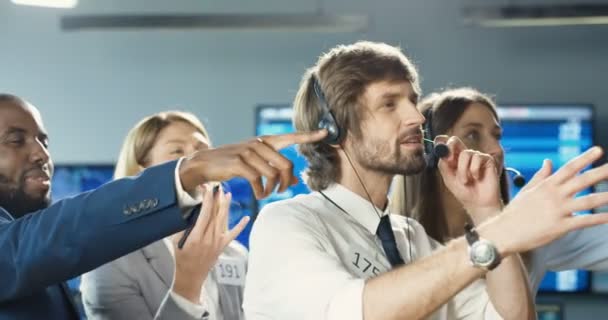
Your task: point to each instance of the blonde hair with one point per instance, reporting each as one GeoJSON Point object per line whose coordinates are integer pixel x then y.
{"type": "Point", "coordinates": [141, 138]}
{"type": "Point", "coordinates": [343, 74]}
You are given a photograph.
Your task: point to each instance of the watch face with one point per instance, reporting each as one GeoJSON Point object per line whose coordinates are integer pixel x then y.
{"type": "Point", "coordinates": [483, 253]}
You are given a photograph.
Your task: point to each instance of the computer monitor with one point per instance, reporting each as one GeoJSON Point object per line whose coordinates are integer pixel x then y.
{"type": "Point", "coordinates": [70, 180]}
{"type": "Point", "coordinates": [532, 133]}
{"type": "Point", "coordinates": [549, 311]}
{"type": "Point", "coordinates": [277, 120]}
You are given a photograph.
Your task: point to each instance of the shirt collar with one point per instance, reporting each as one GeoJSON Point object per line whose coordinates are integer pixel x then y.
{"type": "Point", "coordinates": [356, 206]}
{"type": "Point", "coordinates": [5, 214]}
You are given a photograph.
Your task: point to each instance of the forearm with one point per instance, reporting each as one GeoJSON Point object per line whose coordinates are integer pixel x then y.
{"type": "Point", "coordinates": [184, 299]}
{"type": "Point", "coordinates": [189, 287]}
{"type": "Point", "coordinates": [417, 290]}
{"type": "Point", "coordinates": [508, 289]}
{"type": "Point", "coordinates": [507, 285]}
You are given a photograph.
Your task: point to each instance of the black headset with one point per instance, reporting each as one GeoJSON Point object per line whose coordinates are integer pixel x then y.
{"type": "Point", "coordinates": [429, 147]}
{"type": "Point", "coordinates": [334, 134]}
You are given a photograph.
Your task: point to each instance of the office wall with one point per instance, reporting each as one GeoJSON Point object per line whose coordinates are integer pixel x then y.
{"type": "Point", "coordinates": [93, 86]}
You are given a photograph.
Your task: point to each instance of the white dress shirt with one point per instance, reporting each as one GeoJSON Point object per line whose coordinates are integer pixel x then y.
{"type": "Point", "coordinates": [309, 260]}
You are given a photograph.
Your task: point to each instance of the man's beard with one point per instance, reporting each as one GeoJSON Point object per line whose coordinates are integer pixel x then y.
{"type": "Point", "coordinates": [375, 155]}
{"type": "Point", "coordinates": [17, 202]}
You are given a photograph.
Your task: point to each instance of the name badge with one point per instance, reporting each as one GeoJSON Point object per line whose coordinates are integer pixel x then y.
{"type": "Point", "coordinates": [230, 271]}
{"type": "Point", "coordinates": [362, 263]}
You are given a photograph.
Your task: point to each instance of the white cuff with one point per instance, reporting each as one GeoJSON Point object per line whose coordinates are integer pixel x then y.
{"type": "Point", "coordinates": [197, 311]}
{"type": "Point", "coordinates": [185, 200]}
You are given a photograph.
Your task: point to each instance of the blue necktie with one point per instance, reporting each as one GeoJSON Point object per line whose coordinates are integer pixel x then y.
{"type": "Point", "coordinates": [385, 233]}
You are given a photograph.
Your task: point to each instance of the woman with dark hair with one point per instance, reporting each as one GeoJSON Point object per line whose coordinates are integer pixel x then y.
{"type": "Point", "coordinates": [471, 116]}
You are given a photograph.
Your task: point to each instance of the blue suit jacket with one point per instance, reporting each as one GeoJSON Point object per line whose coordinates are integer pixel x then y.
{"type": "Point", "coordinates": [42, 249]}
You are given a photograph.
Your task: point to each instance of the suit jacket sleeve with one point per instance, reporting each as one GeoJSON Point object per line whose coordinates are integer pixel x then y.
{"type": "Point", "coordinates": [78, 234]}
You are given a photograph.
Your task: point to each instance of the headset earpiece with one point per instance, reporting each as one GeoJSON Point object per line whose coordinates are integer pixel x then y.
{"type": "Point", "coordinates": [327, 121]}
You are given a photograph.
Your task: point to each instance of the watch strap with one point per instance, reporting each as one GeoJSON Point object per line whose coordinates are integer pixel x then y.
{"type": "Point", "coordinates": [470, 234]}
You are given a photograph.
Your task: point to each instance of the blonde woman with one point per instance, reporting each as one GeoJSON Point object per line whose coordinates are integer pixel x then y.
{"type": "Point", "coordinates": [203, 279]}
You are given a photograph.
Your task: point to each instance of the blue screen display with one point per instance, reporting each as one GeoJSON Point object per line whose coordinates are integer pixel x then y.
{"type": "Point", "coordinates": [277, 120]}
{"type": "Point", "coordinates": [70, 180]}
{"type": "Point", "coordinates": [558, 133]}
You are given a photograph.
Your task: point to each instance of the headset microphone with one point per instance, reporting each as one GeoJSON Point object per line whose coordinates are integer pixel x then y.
{"type": "Point", "coordinates": [518, 180]}
{"type": "Point", "coordinates": [432, 152]}
{"type": "Point", "coordinates": [440, 150]}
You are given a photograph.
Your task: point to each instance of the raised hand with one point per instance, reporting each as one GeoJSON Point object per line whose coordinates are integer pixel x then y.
{"type": "Point", "coordinates": [209, 237]}
{"type": "Point", "coordinates": [254, 159]}
{"type": "Point", "coordinates": [540, 175]}
{"type": "Point", "coordinates": [472, 178]}
{"type": "Point", "coordinates": [543, 211]}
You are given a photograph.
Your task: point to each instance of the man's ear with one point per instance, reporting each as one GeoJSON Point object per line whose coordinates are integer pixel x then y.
{"type": "Point", "coordinates": [336, 146]}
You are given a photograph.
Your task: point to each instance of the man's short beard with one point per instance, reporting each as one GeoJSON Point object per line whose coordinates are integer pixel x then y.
{"type": "Point", "coordinates": [17, 202]}
{"type": "Point", "coordinates": [373, 156]}
{"type": "Point", "coordinates": [414, 164]}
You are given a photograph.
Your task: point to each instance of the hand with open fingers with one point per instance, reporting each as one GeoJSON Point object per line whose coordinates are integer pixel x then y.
{"type": "Point", "coordinates": [207, 240]}
{"type": "Point", "coordinates": [543, 211]}
{"type": "Point", "coordinates": [253, 160]}
{"type": "Point", "coordinates": [472, 178]}
{"type": "Point", "coordinates": [543, 173]}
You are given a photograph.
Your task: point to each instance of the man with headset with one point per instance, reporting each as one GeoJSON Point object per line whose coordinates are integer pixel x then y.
{"type": "Point", "coordinates": [337, 253]}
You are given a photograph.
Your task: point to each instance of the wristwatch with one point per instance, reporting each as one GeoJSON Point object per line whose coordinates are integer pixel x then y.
{"type": "Point", "coordinates": [483, 253]}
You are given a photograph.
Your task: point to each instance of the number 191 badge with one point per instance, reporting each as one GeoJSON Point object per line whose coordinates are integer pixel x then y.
{"type": "Point", "coordinates": [230, 271]}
